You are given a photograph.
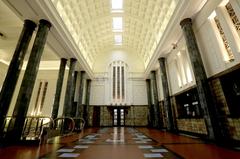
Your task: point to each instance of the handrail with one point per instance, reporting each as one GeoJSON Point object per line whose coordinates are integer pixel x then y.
{"type": "Point", "coordinates": [63, 121]}
{"type": "Point", "coordinates": [81, 125]}
{"type": "Point", "coordinates": [36, 126]}
{"type": "Point", "coordinates": [33, 125]}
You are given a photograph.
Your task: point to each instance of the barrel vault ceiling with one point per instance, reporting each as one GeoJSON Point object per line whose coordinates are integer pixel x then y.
{"type": "Point", "coordinates": [91, 24]}
{"type": "Point", "coordinates": [86, 28]}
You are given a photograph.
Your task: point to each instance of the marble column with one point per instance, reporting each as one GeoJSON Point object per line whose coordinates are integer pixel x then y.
{"type": "Point", "coordinates": [58, 91]}
{"type": "Point", "coordinates": [167, 103]}
{"type": "Point", "coordinates": [67, 108]}
{"type": "Point", "coordinates": [16, 126]}
{"type": "Point", "coordinates": [14, 69]}
{"type": "Point", "coordinates": [157, 121]}
{"type": "Point", "coordinates": [79, 111]}
{"type": "Point", "coordinates": [210, 112]}
{"type": "Point", "coordinates": [73, 111]}
{"type": "Point", "coordinates": [87, 100]}
{"type": "Point", "coordinates": [150, 105]}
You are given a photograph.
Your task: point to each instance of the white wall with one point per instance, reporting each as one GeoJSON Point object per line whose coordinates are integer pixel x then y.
{"type": "Point", "coordinates": [135, 63]}
{"type": "Point", "coordinates": [172, 71]}
{"type": "Point", "coordinates": [3, 72]}
{"type": "Point", "coordinates": [136, 92]}
{"type": "Point", "coordinates": [210, 45]}
{"type": "Point", "coordinates": [45, 75]}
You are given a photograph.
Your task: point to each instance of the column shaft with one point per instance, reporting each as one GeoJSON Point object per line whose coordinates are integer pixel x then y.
{"type": "Point", "coordinates": [59, 84]}
{"type": "Point", "coordinates": [79, 111]}
{"type": "Point", "coordinates": [157, 121]}
{"type": "Point", "coordinates": [167, 103]}
{"type": "Point", "coordinates": [16, 126]}
{"type": "Point", "coordinates": [87, 100]}
{"type": "Point", "coordinates": [203, 89]}
{"type": "Point", "coordinates": [14, 69]}
{"type": "Point", "coordinates": [150, 105]}
{"type": "Point", "coordinates": [69, 90]}
{"type": "Point", "coordinates": [74, 106]}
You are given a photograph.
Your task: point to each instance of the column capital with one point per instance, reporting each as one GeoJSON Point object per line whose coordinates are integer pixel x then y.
{"type": "Point", "coordinates": [29, 24]}
{"type": "Point", "coordinates": [73, 60]}
{"type": "Point", "coordinates": [161, 59]}
{"type": "Point", "coordinates": [45, 22]}
{"type": "Point", "coordinates": [186, 21]}
{"type": "Point", "coordinates": [63, 59]}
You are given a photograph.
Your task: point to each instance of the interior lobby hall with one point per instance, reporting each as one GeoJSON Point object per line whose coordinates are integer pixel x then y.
{"type": "Point", "coordinates": [119, 79]}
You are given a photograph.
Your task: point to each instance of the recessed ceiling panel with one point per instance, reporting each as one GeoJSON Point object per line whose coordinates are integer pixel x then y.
{"type": "Point", "coordinates": [97, 25]}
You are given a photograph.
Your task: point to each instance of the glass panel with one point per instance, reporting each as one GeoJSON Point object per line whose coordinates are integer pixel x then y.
{"type": "Point", "coordinates": [233, 16]}
{"type": "Point", "coordinates": [226, 44]}
{"type": "Point", "coordinates": [118, 82]}
{"type": "Point", "coordinates": [123, 82]}
{"type": "Point", "coordinates": [114, 82]}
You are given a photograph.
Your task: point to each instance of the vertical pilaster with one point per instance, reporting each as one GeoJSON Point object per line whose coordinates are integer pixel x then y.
{"type": "Point", "coordinates": [16, 126]}
{"type": "Point", "coordinates": [150, 105]}
{"type": "Point", "coordinates": [14, 69]}
{"type": "Point", "coordinates": [157, 120]}
{"type": "Point", "coordinates": [79, 111]}
{"type": "Point", "coordinates": [167, 103]}
{"type": "Point", "coordinates": [59, 88]}
{"type": "Point", "coordinates": [69, 90]}
{"type": "Point", "coordinates": [87, 100]}
{"type": "Point", "coordinates": [209, 110]}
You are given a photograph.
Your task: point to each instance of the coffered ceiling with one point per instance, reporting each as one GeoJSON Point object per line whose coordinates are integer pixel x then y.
{"type": "Point", "coordinates": [90, 23]}
{"type": "Point", "coordinates": [85, 29]}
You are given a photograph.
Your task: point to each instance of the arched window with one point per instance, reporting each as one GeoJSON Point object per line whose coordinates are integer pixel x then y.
{"type": "Point", "coordinates": [118, 82]}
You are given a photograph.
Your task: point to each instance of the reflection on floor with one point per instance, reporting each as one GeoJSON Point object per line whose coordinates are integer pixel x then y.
{"type": "Point", "coordinates": [121, 143]}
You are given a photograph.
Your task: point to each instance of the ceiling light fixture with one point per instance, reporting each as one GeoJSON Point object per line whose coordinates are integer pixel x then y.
{"type": "Point", "coordinates": [118, 39]}
{"type": "Point", "coordinates": [117, 24]}
{"type": "Point", "coordinates": [117, 4]}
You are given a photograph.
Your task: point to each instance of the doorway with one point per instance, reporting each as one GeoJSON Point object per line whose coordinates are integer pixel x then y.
{"type": "Point", "coordinates": [118, 117]}
{"type": "Point", "coordinates": [96, 116]}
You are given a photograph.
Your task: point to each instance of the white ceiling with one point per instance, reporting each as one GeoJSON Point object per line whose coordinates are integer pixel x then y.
{"type": "Point", "coordinates": [83, 29]}
{"type": "Point", "coordinates": [11, 27]}
{"type": "Point", "coordinates": [90, 24]}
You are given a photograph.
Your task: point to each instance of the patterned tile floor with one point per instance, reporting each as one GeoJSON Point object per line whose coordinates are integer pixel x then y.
{"type": "Point", "coordinates": [120, 143]}
{"type": "Point", "coordinates": [113, 143]}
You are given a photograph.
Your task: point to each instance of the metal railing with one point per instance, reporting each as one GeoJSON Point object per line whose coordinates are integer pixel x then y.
{"type": "Point", "coordinates": [42, 127]}
{"type": "Point", "coordinates": [64, 125]}
{"type": "Point", "coordinates": [36, 126]}
{"type": "Point", "coordinates": [33, 126]}
{"type": "Point", "coordinates": [80, 124]}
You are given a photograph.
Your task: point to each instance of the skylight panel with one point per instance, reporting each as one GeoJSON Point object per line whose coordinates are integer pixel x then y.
{"type": "Point", "coordinates": [117, 4]}
{"type": "Point", "coordinates": [118, 39]}
{"type": "Point", "coordinates": [117, 24]}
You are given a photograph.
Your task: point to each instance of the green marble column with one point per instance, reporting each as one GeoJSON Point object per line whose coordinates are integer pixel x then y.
{"type": "Point", "coordinates": [16, 126]}
{"type": "Point", "coordinates": [73, 111]}
{"type": "Point", "coordinates": [167, 103]}
{"type": "Point", "coordinates": [87, 100]}
{"type": "Point", "coordinates": [58, 91]}
{"type": "Point", "coordinates": [14, 70]}
{"type": "Point", "coordinates": [150, 105]}
{"type": "Point", "coordinates": [67, 108]}
{"type": "Point", "coordinates": [157, 121]}
{"type": "Point", "coordinates": [79, 111]}
{"type": "Point", "coordinates": [210, 112]}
